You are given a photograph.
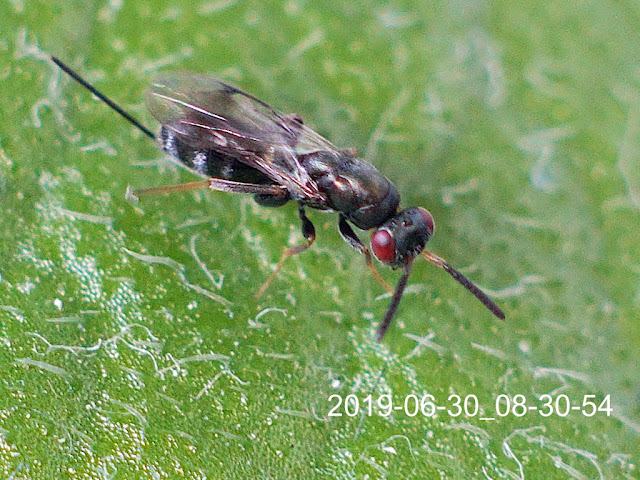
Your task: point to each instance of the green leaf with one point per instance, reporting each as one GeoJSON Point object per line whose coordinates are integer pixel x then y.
{"type": "Point", "coordinates": [131, 345]}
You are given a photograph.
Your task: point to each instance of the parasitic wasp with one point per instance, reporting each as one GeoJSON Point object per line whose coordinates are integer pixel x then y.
{"type": "Point", "coordinates": [242, 145]}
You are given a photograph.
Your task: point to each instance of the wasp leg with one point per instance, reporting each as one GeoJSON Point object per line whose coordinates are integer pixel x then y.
{"type": "Point", "coordinates": [239, 187]}
{"type": "Point", "coordinates": [308, 232]}
{"type": "Point", "coordinates": [214, 184]}
{"type": "Point", "coordinates": [352, 239]}
{"type": "Point", "coordinates": [142, 192]}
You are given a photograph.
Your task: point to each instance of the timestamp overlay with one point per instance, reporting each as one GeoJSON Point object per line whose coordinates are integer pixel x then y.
{"type": "Point", "coordinates": [469, 407]}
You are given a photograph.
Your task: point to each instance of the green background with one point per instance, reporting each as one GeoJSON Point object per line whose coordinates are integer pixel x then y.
{"type": "Point", "coordinates": [130, 343]}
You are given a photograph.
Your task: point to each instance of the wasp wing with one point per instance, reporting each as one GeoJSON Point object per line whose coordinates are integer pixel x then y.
{"type": "Point", "coordinates": [212, 115]}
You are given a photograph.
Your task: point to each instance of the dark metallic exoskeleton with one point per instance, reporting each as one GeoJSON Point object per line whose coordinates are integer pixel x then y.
{"type": "Point", "coordinates": [241, 144]}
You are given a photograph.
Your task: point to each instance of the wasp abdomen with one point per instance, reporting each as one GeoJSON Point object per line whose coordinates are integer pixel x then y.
{"type": "Point", "coordinates": [209, 163]}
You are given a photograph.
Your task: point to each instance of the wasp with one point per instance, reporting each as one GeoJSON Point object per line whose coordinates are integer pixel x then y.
{"type": "Point", "coordinates": [242, 145]}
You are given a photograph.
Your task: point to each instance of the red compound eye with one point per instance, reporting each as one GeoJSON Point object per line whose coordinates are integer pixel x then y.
{"type": "Point", "coordinates": [428, 218]}
{"type": "Point", "coordinates": [383, 246]}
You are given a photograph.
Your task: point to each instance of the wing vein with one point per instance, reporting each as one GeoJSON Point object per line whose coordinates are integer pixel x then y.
{"type": "Point", "coordinates": [190, 106]}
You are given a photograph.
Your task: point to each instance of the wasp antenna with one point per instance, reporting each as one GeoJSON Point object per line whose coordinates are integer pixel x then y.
{"type": "Point", "coordinates": [466, 283]}
{"type": "Point", "coordinates": [395, 301]}
{"type": "Point", "coordinates": [115, 107]}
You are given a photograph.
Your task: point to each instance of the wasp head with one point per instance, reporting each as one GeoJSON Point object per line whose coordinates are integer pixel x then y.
{"type": "Point", "coordinates": [402, 237]}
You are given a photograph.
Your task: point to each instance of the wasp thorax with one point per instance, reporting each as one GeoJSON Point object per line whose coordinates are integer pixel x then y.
{"type": "Point", "coordinates": [402, 237]}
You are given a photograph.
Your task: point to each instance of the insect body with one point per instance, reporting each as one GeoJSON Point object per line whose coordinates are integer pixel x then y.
{"type": "Point", "coordinates": [241, 144]}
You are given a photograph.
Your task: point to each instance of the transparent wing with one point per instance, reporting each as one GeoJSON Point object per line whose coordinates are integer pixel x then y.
{"type": "Point", "coordinates": [209, 114]}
